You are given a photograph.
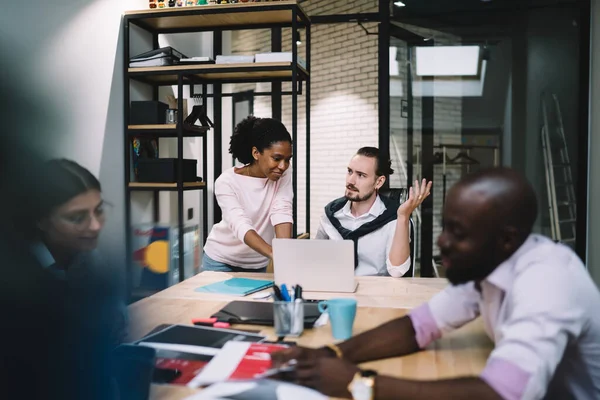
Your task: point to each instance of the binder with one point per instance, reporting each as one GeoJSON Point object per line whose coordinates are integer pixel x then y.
{"type": "Point", "coordinates": [236, 286]}
{"type": "Point", "coordinates": [158, 53]}
{"type": "Point", "coordinates": [155, 58]}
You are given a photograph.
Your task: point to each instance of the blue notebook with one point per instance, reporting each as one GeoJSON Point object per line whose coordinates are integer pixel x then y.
{"type": "Point", "coordinates": [236, 286]}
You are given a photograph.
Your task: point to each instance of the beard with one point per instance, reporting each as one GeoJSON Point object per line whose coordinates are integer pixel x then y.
{"type": "Point", "coordinates": [473, 270]}
{"type": "Point", "coordinates": [460, 275]}
{"type": "Point", "coordinates": [356, 197]}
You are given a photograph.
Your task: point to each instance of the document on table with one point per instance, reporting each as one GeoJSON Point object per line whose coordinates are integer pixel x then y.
{"type": "Point", "coordinates": [264, 389]}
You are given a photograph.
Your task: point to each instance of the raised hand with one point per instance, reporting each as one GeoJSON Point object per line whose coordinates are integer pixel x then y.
{"type": "Point", "coordinates": [416, 195]}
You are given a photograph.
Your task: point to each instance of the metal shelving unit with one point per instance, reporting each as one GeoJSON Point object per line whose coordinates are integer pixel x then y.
{"type": "Point", "coordinates": [218, 18]}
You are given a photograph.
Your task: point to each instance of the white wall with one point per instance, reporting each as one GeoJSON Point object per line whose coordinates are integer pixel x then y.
{"type": "Point", "coordinates": [593, 256]}
{"type": "Point", "coordinates": [72, 52]}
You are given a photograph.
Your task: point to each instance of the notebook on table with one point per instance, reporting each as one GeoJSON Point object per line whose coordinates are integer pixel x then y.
{"type": "Point", "coordinates": [195, 339]}
{"type": "Point", "coordinates": [236, 286]}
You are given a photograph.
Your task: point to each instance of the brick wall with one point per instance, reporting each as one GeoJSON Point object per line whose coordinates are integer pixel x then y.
{"type": "Point", "coordinates": [344, 105]}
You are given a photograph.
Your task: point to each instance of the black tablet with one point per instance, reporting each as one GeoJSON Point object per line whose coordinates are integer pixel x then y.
{"type": "Point", "coordinates": [261, 313]}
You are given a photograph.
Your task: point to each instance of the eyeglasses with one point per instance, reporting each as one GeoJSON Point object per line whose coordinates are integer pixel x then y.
{"type": "Point", "coordinates": [82, 220]}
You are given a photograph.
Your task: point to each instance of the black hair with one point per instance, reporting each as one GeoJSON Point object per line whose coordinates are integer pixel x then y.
{"type": "Point", "coordinates": [61, 180]}
{"type": "Point", "coordinates": [383, 167]}
{"type": "Point", "coordinates": [256, 132]}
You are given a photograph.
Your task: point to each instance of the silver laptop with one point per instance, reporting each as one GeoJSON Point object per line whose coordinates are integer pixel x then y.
{"type": "Point", "coordinates": [316, 265]}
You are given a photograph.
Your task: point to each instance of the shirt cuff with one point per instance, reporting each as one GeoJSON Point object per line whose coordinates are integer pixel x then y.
{"type": "Point", "coordinates": [426, 329]}
{"type": "Point", "coordinates": [277, 219]}
{"type": "Point", "coordinates": [398, 271]}
{"type": "Point", "coordinates": [506, 378]}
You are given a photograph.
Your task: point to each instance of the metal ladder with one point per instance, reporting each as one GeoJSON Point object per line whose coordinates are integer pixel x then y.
{"type": "Point", "coordinates": [559, 179]}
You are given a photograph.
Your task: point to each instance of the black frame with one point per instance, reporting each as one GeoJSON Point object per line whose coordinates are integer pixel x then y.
{"type": "Point", "coordinates": [240, 97]}
{"type": "Point", "coordinates": [185, 76]}
{"type": "Point", "coordinates": [518, 82]}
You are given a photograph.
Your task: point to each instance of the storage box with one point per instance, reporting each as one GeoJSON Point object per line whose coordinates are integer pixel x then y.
{"type": "Point", "coordinates": [164, 170]}
{"type": "Point", "coordinates": [156, 255]}
{"type": "Point", "coordinates": [148, 112]}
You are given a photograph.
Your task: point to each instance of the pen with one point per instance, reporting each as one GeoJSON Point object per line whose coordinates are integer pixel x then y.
{"type": "Point", "coordinates": [277, 293]}
{"type": "Point", "coordinates": [298, 292]}
{"type": "Point", "coordinates": [284, 293]}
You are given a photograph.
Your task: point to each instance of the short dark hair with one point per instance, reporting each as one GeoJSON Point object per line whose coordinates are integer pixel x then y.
{"type": "Point", "coordinates": [383, 167]}
{"type": "Point", "coordinates": [256, 132]}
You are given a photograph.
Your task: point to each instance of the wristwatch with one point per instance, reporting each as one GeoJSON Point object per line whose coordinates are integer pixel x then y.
{"type": "Point", "coordinates": [362, 386]}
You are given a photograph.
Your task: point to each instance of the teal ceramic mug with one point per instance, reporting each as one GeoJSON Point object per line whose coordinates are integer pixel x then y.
{"type": "Point", "coordinates": [341, 316]}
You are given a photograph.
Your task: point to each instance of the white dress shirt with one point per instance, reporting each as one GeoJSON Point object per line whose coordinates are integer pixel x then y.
{"type": "Point", "coordinates": [542, 310]}
{"type": "Point", "coordinates": [374, 247]}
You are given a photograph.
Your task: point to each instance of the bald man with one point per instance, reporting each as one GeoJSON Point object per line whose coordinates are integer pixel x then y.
{"type": "Point", "coordinates": [536, 299]}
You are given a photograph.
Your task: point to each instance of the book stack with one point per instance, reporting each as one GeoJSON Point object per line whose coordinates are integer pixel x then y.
{"type": "Point", "coordinates": [156, 58]}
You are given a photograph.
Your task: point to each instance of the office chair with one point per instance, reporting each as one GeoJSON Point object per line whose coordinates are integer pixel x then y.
{"type": "Point", "coordinates": [398, 196]}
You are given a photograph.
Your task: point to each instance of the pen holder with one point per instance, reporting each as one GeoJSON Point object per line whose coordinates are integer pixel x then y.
{"type": "Point", "coordinates": [288, 318]}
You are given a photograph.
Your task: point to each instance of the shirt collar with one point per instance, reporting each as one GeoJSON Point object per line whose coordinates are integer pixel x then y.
{"type": "Point", "coordinates": [43, 255]}
{"type": "Point", "coordinates": [504, 275]}
{"type": "Point", "coordinates": [46, 260]}
{"type": "Point", "coordinates": [376, 209]}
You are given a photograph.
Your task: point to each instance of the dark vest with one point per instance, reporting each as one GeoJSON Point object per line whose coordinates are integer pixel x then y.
{"type": "Point", "coordinates": [390, 214]}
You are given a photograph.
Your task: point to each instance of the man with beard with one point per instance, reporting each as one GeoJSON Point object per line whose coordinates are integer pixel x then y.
{"type": "Point", "coordinates": [537, 301]}
{"type": "Point", "coordinates": [377, 225]}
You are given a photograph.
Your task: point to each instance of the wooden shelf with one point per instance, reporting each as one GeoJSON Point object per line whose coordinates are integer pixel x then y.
{"type": "Point", "coordinates": [246, 72]}
{"type": "Point", "coordinates": [167, 130]}
{"type": "Point", "coordinates": [198, 18]}
{"type": "Point", "coordinates": [153, 127]}
{"type": "Point", "coordinates": [149, 186]}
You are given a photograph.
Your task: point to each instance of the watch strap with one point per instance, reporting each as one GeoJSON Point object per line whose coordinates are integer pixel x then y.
{"type": "Point", "coordinates": [335, 350]}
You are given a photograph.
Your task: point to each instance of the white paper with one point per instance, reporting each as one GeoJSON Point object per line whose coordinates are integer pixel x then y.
{"type": "Point", "coordinates": [222, 366]}
{"type": "Point", "coordinates": [261, 389]}
{"type": "Point", "coordinates": [183, 348]}
{"type": "Point", "coordinates": [322, 320]}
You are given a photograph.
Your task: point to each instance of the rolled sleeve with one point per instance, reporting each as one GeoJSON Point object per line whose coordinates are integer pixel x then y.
{"type": "Point", "coordinates": [542, 320]}
{"type": "Point", "coordinates": [426, 329]}
{"type": "Point", "coordinates": [448, 310]}
{"type": "Point", "coordinates": [281, 208]}
{"type": "Point", "coordinates": [507, 379]}
{"type": "Point", "coordinates": [396, 271]}
{"type": "Point", "coordinates": [232, 210]}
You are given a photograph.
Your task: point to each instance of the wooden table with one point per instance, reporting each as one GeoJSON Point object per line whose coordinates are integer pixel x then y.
{"type": "Point", "coordinates": [380, 299]}
{"type": "Point", "coordinates": [372, 291]}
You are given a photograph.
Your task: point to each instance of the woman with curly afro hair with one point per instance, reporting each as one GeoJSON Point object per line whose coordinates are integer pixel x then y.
{"type": "Point", "coordinates": [256, 199]}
